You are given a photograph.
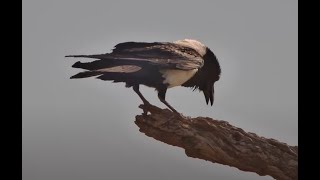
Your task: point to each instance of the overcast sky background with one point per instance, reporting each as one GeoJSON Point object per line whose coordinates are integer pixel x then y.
{"type": "Point", "coordinates": [84, 129]}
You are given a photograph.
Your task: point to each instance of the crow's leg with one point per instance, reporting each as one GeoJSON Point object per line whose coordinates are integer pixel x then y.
{"type": "Point", "coordinates": [162, 97]}
{"type": "Point", "coordinates": [136, 89]}
{"type": "Point", "coordinates": [145, 102]}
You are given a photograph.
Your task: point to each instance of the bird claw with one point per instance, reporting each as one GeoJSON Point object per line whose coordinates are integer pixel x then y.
{"type": "Point", "coordinates": [147, 107]}
{"type": "Point", "coordinates": [179, 115]}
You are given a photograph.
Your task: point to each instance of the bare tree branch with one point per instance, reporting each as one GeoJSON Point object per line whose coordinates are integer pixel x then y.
{"type": "Point", "coordinates": [219, 142]}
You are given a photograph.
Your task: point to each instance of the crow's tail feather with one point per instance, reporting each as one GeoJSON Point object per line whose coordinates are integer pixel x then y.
{"type": "Point", "coordinates": [107, 76]}
{"type": "Point", "coordinates": [86, 74]}
{"type": "Point", "coordinates": [94, 65]}
{"type": "Point", "coordinates": [97, 56]}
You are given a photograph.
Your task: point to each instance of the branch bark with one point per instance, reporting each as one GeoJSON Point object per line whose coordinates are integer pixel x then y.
{"type": "Point", "coordinates": [219, 142]}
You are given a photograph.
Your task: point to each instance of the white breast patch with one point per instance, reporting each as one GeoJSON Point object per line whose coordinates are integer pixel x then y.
{"type": "Point", "coordinates": [175, 77]}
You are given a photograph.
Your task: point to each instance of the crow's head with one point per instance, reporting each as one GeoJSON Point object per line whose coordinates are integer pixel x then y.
{"type": "Point", "coordinates": [206, 76]}
{"type": "Point", "coordinates": [210, 73]}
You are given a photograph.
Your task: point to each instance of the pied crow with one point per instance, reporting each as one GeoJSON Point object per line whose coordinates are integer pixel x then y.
{"type": "Point", "coordinates": [160, 65]}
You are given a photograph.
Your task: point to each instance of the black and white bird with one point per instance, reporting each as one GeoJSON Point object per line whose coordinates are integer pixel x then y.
{"type": "Point", "coordinates": [160, 65]}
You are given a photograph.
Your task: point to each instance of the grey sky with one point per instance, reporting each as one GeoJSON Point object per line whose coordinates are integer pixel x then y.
{"type": "Point", "coordinates": [84, 129]}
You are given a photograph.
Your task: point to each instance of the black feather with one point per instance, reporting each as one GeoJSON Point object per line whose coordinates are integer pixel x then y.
{"type": "Point", "coordinates": [85, 74]}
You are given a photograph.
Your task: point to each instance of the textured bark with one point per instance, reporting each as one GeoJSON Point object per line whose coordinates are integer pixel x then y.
{"type": "Point", "coordinates": [219, 142]}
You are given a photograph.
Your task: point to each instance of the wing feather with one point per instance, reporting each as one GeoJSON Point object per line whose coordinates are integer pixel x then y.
{"type": "Point", "coordinates": [163, 55]}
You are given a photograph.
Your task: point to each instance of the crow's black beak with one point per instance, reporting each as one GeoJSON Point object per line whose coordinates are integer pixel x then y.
{"type": "Point", "coordinates": [208, 94]}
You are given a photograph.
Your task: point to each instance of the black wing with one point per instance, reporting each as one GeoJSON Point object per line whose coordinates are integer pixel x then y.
{"type": "Point", "coordinates": [162, 55]}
